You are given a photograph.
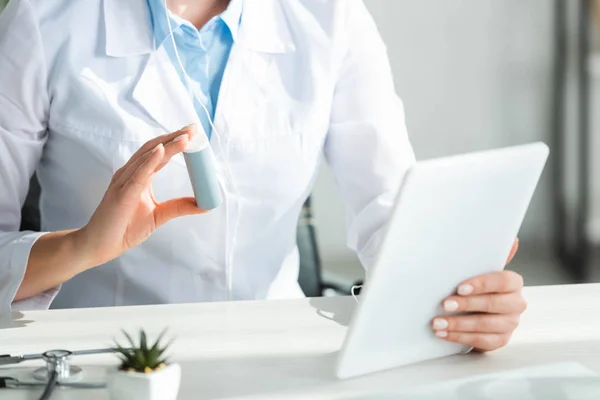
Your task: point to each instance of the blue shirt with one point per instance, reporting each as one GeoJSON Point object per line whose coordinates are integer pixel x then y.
{"type": "Point", "coordinates": [203, 52]}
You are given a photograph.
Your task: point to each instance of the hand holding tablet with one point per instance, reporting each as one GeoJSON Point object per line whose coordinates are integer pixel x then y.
{"type": "Point", "coordinates": [495, 304]}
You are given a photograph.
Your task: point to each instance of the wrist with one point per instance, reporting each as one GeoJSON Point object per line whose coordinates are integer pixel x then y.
{"type": "Point", "coordinates": [83, 249]}
{"type": "Point", "coordinates": [54, 258]}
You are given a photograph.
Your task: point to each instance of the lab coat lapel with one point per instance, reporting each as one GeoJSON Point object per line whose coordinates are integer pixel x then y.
{"type": "Point", "coordinates": [159, 90]}
{"type": "Point", "coordinates": [128, 28]}
{"type": "Point", "coordinates": [263, 29]}
{"type": "Point", "coordinates": [162, 94]}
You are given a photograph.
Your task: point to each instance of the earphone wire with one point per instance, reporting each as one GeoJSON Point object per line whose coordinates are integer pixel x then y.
{"type": "Point", "coordinates": [229, 254]}
{"type": "Point", "coordinates": [353, 289]}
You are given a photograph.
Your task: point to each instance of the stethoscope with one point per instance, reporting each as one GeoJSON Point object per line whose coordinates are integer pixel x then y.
{"type": "Point", "coordinates": [57, 372]}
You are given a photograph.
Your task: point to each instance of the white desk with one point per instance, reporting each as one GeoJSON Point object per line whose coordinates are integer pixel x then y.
{"type": "Point", "coordinates": [286, 349]}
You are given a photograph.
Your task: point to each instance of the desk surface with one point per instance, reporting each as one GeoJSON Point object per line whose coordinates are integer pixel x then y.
{"type": "Point", "coordinates": [287, 348]}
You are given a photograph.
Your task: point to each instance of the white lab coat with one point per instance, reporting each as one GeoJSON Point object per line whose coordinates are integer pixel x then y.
{"type": "Point", "coordinates": [83, 87]}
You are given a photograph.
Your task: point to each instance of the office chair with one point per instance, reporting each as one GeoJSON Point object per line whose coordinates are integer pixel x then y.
{"type": "Point", "coordinates": [30, 213]}
{"type": "Point", "coordinates": [310, 275]}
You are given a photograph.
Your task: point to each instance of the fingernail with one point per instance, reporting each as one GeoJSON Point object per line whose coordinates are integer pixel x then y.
{"type": "Point", "coordinates": [441, 334]}
{"type": "Point", "coordinates": [465, 290]}
{"type": "Point", "coordinates": [450, 305]}
{"type": "Point", "coordinates": [180, 137]}
{"type": "Point", "coordinates": [191, 128]}
{"type": "Point", "coordinates": [439, 324]}
{"type": "Point", "coordinates": [158, 146]}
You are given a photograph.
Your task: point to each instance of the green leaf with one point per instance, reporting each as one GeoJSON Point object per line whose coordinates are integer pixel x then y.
{"type": "Point", "coordinates": [133, 346]}
{"type": "Point", "coordinates": [160, 352]}
{"type": "Point", "coordinates": [153, 357]}
{"type": "Point", "coordinates": [127, 361]}
{"type": "Point", "coordinates": [164, 349]}
{"type": "Point", "coordinates": [143, 341]}
{"type": "Point", "coordinates": [125, 354]}
{"type": "Point", "coordinates": [140, 360]}
{"type": "Point", "coordinates": [119, 348]}
{"type": "Point", "coordinates": [160, 336]}
{"type": "Point", "coordinates": [169, 343]}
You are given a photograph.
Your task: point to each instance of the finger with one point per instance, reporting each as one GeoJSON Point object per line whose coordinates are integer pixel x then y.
{"type": "Point", "coordinates": [513, 251]}
{"type": "Point", "coordinates": [496, 282]}
{"type": "Point", "coordinates": [480, 341]}
{"type": "Point", "coordinates": [510, 303]}
{"type": "Point", "coordinates": [126, 173]}
{"type": "Point", "coordinates": [174, 208]}
{"type": "Point", "coordinates": [140, 179]}
{"type": "Point", "coordinates": [189, 131]}
{"type": "Point", "coordinates": [173, 147]}
{"type": "Point", "coordinates": [482, 323]}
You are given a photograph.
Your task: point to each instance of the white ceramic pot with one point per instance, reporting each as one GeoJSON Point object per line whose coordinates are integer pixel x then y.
{"type": "Point", "coordinates": [160, 385]}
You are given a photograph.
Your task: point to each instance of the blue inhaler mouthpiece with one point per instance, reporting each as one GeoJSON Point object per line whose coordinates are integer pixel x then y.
{"type": "Point", "coordinates": [201, 166]}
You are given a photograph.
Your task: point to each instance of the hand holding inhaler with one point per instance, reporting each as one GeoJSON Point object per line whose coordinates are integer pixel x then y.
{"type": "Point", "coordinates": [128, 212]}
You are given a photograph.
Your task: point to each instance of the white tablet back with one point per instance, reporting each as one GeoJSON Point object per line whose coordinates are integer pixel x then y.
{"type": "Point", "coordinates": [455, 218]}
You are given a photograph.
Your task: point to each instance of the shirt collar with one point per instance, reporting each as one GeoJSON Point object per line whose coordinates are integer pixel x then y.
{"type": "Point", "coordinates": [128, 29]}
{"type": "Point", "coordinates": [231, 17]}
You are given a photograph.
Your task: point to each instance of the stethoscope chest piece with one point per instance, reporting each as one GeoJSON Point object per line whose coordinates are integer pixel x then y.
{"type": "Point", "coordinates": [59, 361]}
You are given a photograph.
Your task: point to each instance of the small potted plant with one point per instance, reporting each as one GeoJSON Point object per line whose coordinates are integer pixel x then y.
{"type": "Point", "coordinates": [144, 373]}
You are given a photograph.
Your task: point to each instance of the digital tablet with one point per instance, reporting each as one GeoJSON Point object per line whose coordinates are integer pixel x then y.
{"type": "Point", "coordinates": [454, 218]}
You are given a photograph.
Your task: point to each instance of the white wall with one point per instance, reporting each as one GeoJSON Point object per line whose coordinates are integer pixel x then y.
{"type": "Point", "coordinates": [473, 74]}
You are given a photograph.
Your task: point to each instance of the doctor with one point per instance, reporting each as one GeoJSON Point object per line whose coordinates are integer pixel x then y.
{"type": "Point", "coordinates": [91, 92]}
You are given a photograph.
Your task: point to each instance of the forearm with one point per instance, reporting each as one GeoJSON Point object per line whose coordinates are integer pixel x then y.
{"type": "Point", "coordinates": [55, 258]}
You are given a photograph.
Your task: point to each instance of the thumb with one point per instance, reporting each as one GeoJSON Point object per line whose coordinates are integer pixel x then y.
{"type": "Point", "coordinates": [167, 210]}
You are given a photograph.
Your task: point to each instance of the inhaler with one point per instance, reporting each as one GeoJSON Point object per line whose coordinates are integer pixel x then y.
{"type": "Point", "coordinates": [201, 166]}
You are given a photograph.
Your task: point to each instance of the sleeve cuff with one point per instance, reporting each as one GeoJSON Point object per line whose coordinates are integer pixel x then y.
{"type": "Point", "coordinates": [17, 266]}
{"type": "Point", "coordinates": [367, 229]}
{"type": "Point", "coordinates": [40, 302]}
{"type": "Point", "coordinates": [368, 253]}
